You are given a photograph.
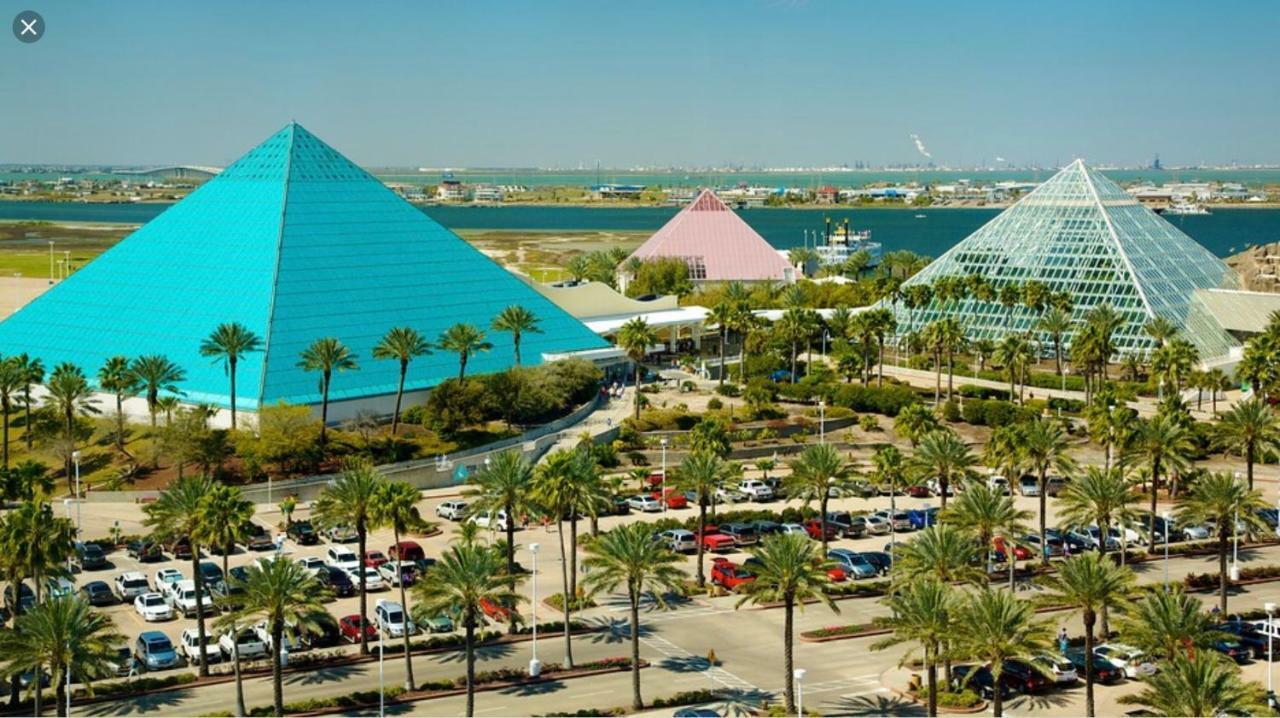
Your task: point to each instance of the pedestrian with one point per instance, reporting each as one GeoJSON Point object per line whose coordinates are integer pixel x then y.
{"type": "Point", "coordinates": [280, 537]}
{"type": "Point", "coordinates": [1063, 641]}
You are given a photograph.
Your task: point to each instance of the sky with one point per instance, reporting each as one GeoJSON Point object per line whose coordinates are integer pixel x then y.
{"type": "Point", "coordinates": [710, 83]}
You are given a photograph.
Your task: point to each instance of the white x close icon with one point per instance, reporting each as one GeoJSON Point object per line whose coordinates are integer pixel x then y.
{"type": "Point", "coordinates": [29, 27]}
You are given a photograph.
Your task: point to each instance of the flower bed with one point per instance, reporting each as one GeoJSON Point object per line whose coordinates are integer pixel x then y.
{"type": "Point", "coordinates": [834, 632]}
{"type": "Point", "coordinates": [1200, 581]}
{"type": "Point", "coordinates": [556, 601]}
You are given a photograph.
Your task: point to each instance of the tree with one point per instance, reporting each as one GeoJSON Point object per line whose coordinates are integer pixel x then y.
{"type": "Point", "coordinates": [70, 395]}
{"type": "Point", "coordinates": [788, 570]}
{"type": "Point", "coordinates": [326, 355]}
{"type": "Point", "coordinates": [628, 558]}
{"type": "Point", "coordinates": [945, 457]}
{"type": "Point", "coordinates": [1014, 353]}
{"type": "Point", "coordinates": [819, 469]}
{"type": "Point", "coordinates": [1218, 499]}
{"type": "Point", "coordinates": [1056, 323]}
{"type": "Point", "coordinates": [351, 501]}
{"type": "Point", "coordinates": [403, 344]}
{"type": "Point", "coordinates": [1044, 445]}
{"type": "Point", "coordinates": [986, 513]}
{"type": "Point", "coordinates": [32, 373]}
{"type": "Point", "coordinates": [994, 626]}
{"type": "Point", "coordinates": [63, 635]}
{"type": "Point", "coordinates": [940, 551]}
{"type": "Point", "coordinates": [41, 542]}
{"type": "Point", "coordinates": [1089, 582]}
{"type": "Point", "coordinates": [635, 337]}
{"type": "Point", "coordinates": [915, 421]}
{"type": "Point", "coordinates": [464, 340]}
{"type": "Point", "coordinates": [154, 373]}
{"type": "Point", "coordinates": [285, 595]}
{"type": "Point", "coordinates": [465, 576]}
{"type": "Point", "coordinates": [504, 484]}
{"type": "Point", "coordinates": [1168, 624]}
{"type": "Point", "coordinates": [701, 472]}
{"type": "Point", "coordinates": [1100, 497]}
{"type": "Point", "coordinates": [1164, 443]}
{"type": "Point", "coordinates": [12, 381]}
{"type": "Point", "coordinates": [228, 344]}
{"type": "Point", "coordinates": [1160, 329]}
{"type": "Point", "coordinates": [115, 377]}
{"type": "Point", "coordinates": [396, 506]}
{"type": "Point", "coordinates": [519, 321]}
{"type": "Point", "coordinates": [180, 513]}
{"type": "Point", "coordinates": [922, 612]}
{"type": "Point", "coordinates": [225, 514]}
{"type": "Point", "coordinates": [1251, 429]}
{"type": "Point", "coordinates": [721, 315]}
{"type": "Point", "coordinates": [562, 485]}
{"type": "Point", "coordinates": [1201, 685]}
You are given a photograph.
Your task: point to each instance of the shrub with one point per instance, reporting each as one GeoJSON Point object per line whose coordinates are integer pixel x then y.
{"type": "Point", "coordinates": [714, 404]}
{"type": "Point", "coordinates": [958, 699]}
{"type": "Point", "coordinates": [829, 631]}
{"type": "Point", "coordinates": [869, 422]}
{"type": "Point", "coordinates": [886, 400]}
{"type": "Point", "coordinates": [578, 604]}
{"type": "Point", "coordinates": [1073, 406]}
{"type": "Point", "coordinates": [951, 411]}
{"type": "Point", "coordinates": [994, 412]}
{"type": "Point", "coordinates": [970, 391]}
{"type": "Point", "coordinates": [728, 389]}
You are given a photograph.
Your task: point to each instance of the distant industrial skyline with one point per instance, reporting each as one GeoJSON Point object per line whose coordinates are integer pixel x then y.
{"type": "Point", "coordinates": [564, 84]}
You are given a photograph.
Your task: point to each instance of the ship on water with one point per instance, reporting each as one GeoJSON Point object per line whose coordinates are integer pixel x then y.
{"type": "Point", "coordinates": [839, 242]}
{"type": "Point", "coordinates": [1184, 208]}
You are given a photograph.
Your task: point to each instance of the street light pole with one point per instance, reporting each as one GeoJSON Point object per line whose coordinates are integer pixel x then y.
{"type": "Point", "coordinates": [51, 261]}
{"type": "Point", "coordinates": [663, 497]}
{"type": "Point", "coordinates": [1270, 608]}
{"type": "Point", "coordinates": [382, 690]}
{"type": "Point", "coordinates": [822, 421]}
{"type": "Point", "coordinates": [535, 666]}
{"type": "Point", "coordinates": [799, 676]}
{"type": "Point", "coordinates": [1168, 517]}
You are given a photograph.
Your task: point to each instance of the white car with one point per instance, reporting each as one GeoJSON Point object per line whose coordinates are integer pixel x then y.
{"type": "Point", "coordinates": [152, 607]}
{"type": "Point", "coordinates": [644, 503]}
{"type": "Point", "coordinates": [755, 489]}
{"type": "Point", "coordinates": [189, 646]}
{"type": "Point", "coordinates": [1060, 669]}
{"type": "Point", "coordinates": [1029, 486]}
{"type": "Point", "coordinates": [372, 579]}
{"type": "Point", "coordinates": [900, 520]}
{"type": "Point", "coordinates": [792, 529]}
{"type": "Point", "coordinates": [166, 577]}
{"type": "Point", "coordinates": [454, 510]}
{"type": "Point", "coordinates": [1133, 662]}
{"type": "Point", "coordinates": [59, 587]}
{"type": "Point", "coordinates": [729, 496]}
{"type": "Point", "coordinates": [998, 484]}
{"type": "Point", "coordinates": [390, 618]}
{"type": "Point", "coordinates": [496, 520]}
{"type": "Point", "coordinates": [393, 571]}
{"type": "Point", "coordinates": [292, 643]}
{"type": "Point", "coordinates": [314, 564]}
{"type": "Point", "coordinates": [876, 525]}
{"type": "Point", "coordinates": [678, 540]}
{"type": "Point", "coordinates": [343, 558]}
{"type": "Point", "coordinates": [1195, 532]}
{"type": "Point", "coordinates": [131, 584]}
{"type": "Point", "coordinates": [248, 642]}
{"type": "Point", "coordinates": [182, 597]}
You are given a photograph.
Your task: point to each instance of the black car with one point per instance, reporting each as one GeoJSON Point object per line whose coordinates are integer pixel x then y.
{"type": "Point", "coordinates": [98, 593]}
{"type": "Point", "coordinates": [880, 559]}
{"type": "Point", "coordinates": [180, 548]}
{"type": "Point", "coordinates": [981, 681]}
{"type": "Point", "coordinates": [620, 506]}
{"type": "Point", "coordinates": [303, 533]}
{"type": "Point", "coordinates": [257, 537]}
{"type": "Point", "coordinates": [765, 528]}
{"type": "Point", "coordinates": [339, 583]}
{"type": "Point", "coordinates": [228, 592]}
{"type": "Point", "coordinates": [145, 550]}
{"type": "Point", "coordinates": [90, 556]}
{"type": "Point", "coordinates": [211, 573]}
{"type": "Point", "coordinates": [843, 523]}
{"type": "Point", "coordinates": [324, 634]}
{"type": "Point", "coordinates": [1231, 648]}
{"type": "Point", "coordinates": [1104, 671]}
{"type": "Point", "coordinates": [1024, 677]}
{"type": "Point", "coordinates": [26, 597]}
{"type": "Point", "coordinates": [1246, 636]}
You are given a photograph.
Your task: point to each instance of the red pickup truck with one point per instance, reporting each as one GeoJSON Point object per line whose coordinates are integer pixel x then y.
{"type": "Point", "coordinates": [674, 500]}
{"type": "Point", "coordinates": [813, 527]}
{"type": "Point", "coordinates": [712, 540]}
{"type": "Point", "coordinates": [728, 574]}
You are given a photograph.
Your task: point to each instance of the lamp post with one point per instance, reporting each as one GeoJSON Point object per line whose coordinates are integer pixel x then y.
{"type": "Point", "coordinates": [1168, 518]}
{"type": "Point", "coordinates": [662, 498]}
{"type": "Point", "coordinates": [535, 666]}
{"type": "Point", "coordinates": [825, 336]}
{"type": "Point", "coordinates": [822, 421]}
{"type": "Point", "coordinates": [51, 261]}
{"type": "Point", "coordinates": [1270, 608]}
{"type": "Point", "coordinates": [382, 685]}
{"type": "Point", "coordinates": [799, 676]}
{"type": "Point", "coordinates": [75, 457]}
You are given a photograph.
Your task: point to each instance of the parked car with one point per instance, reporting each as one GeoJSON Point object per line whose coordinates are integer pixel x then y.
{"type": "Point", "coordinates": [152, 607]}
{"type": "Point", "coordinates": [246, 641]}
{"type": "Point", "coordinates": [350, 626]}
{"type": "Point", "coordinates": [679, 540]}
{"type": "Point", "coordinates": [409, 551]}
{"type": "Point", "coordinates": [257, 537]}
{"type": "Point", "coordinates": [154, 651]}
{"type": "Point", "coordinates": [1029, 485]}
{"type": "Point", "coordinates": [391, 619]}
{"type": "Point", "coordinates": [289, 636]}
{"type": "Point", "coordinates": [339, 583]}
{"type": "Point", "coordinates": [923, 518]}
{"type": "Point", "coordinates": [342, 557]}
{"type": "Point", "coordinates": [882, 560]}
{"type": "Point", "coordinates": [131, 584]}
{"type": "Point", "coordinates": [1231, 648]}
{"type": "Point", "coordinates": [755, 489]}
{"type": "Point", "coordinates": [1053, 547]}
{"type": "Point", "coordinates": [323, 633]}
{"type": "Point", "coordinates": [342, 534]}
{"type": "Point", "coordinates": [438, 623]}
{"type": "Point", "coordinates": [454, 510]}
{"type": "Point", "coordinates": [166, 577]}
{"type": "Point", "coordinates": [899, 520]}
{"type": "Point", "coordinates": [935, 487]}
{"type": "Point", "coordinates": [211, 573]}
{"type": "Point", "coordinates": [793, 529]}
{"type": "Point", "coordinates": [618, 506]}
{"type": "Point", "coordinates": [1092, 538]}
{"type": "Point", "coordinates": [189, 645]}
{"type": "Point", "coordinates": [743, 534]}
{"type": "Point", "coordinates": [1000, 550]}
{"type": "Point", "coordinates": [766, 528]}
{"type": "Point", "coordinates": [729, 574]}
{"type": "Point", "coordinates": [1053, 485]}
{"type": "Point", "coordinates": [979, 680]}
{"type": "Point", "coordinates": [145, 550]}
{"type": "Point", "coordinates": [1057, 667]}
{"type": "Point", "coordinates": [98, 593]}
{"type": "Point", "coordinates": [372, 579]}
{"type": "Point", "coordinates": [644, 503]}
{"type": "Point", "coordinates": [675, 499]}
{"type": "Point", "coordinates": [845, 525]}
{"type": "Point", "coordinates": [374, 559]}
{"type": "Point", "coordinates": [814, 528]}
{"type": "Point", "coordinates": [1195, 532]}
{"type": "Point", "coordinates": [1076, 545]}
{"type": "Point", "coordinates": [919, 491]}
{"type": "Point", "coordinates": [854, 564]}
{"type": "Point", "coordinates": [396, 572]}
{"type": "Point", "coordinates": [302, 533]}
{"type": "Point", "coordinates": [90, 556]}
{"type": "Point", "coordinates": [494, 520]}
{"type": "Point", "coordinates": [1024, 677]}
{"type": "Point", "coordinates": [496, 612]}
{"type": "Point", "coordinates": [1131, 660]}
{"type": "Point", "coordinates": [875, 525]}
{"type": "Point", "coordinates": [998, 484]}
{"type": "Point", "coordinates": [314, 564]}
{"type": "Point", "coordinates": [122, 664]}
{"type": "Point", "coordinates": [182, 597]}
{"type": "Point", "coordinates": [60, 587]}
{"type": "Point", "coordinates": [726, 495]}
{"type": "Point", "coordinates": [26, 598]}
{"type": "Point", "coordinates": [179, 548]}
{"type": "Point", "coordinates": [713, 540]}
{"type": "Point", "coordinates": [1104, 670]}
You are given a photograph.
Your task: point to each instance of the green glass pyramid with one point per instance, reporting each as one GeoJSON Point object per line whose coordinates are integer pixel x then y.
{"type": "Point", "coordinates": [1081, 233]}
{"type": "Point", "coordinates": [297, 243]}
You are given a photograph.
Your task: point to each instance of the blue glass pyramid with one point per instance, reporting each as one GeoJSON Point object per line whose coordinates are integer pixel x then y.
{"type": "Point", "coordinates": [296, 242]}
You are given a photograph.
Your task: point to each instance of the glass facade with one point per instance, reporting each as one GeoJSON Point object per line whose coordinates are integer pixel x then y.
{"type": "Point", "coordinates": [1081, 233]}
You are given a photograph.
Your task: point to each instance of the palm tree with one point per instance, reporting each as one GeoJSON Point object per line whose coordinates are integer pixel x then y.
{"type": "Point", "coordinates": [914, 422]}
{"type": "Point", "coordinates": [519, 321]}
{"type": "Point", "coordinates": [923, 612]}
{"type": "Point", "coordinates": [180, 513]}
{"type": "Point", "coordinates": [12, 381]}
{"type": "Point", "coordinates": [402, 344]}
{"type": "Point", "coordinates": [1165, 443]}
{"type": "Point", "coordinates": [115, 376]}
{"type": "Point", "coordinates": [721, 314]}
{"type": "Point", "coordinates": [945, 457]}
{"type": "Point", "coordinates": [326, 355]}
{"type": "Point", "coordinates": [464, 340]}
{"type": "Point", "coordinates": [628, 558]}
{"type": "Point", "coordinates": [1217, 381]}
{"type": "Point", "coordinates": [154, 373]}
{"type": "Point", "coordinates": [1160, 329]}
{"type": "Point", "coordinates": [1056, 323]}
{"type": "Point", "coordinates": [32, 373]}
{"type": "Point", "coordinates": [351, 501]}
{"type": "Point", "coordinates": [890, 470]}
{"type": "Point", "coordinates": [504, 485]}
{"type": "Point", "coordinates": [69, 394]}
{"type": "Point", "coordinates": [465, 576]}
{"type": "Point", "coordinates": [1014, 354]}
{"type": "Point", "coordinates": [40, 541]}
{"type": "Point", "coordinates": [986, 513]}
{"type": "Point", "coordinates": [1089, 582]}
{"type": "Point", "coordinates": [1044, 445]}
{"type": "Point", "coordinates": [819, 469]}
{"type": "Point", "coordinates": [1101, 497]}
{"type": "Point", "coordinates": [1220, 500]}
{"type": "Point", "coordinates": [225, 514]}
{"type": "Point", "coordinates": [996, 626]}
{"type": "Point", "coordinates": [701, 472]}
{"type": "Point", "coordinates": [561, 486]}
{"type": "Point", "coordinates": [635, 337]}
{"type": "Point", "coordinates": [229, 343]}
{"type": "Point", "coordinates": [1252, 429]}
{"type": "Point", "coordinates": [396, 506]}
{"type": "Point", "coordinates": [1201, 685]}
{"type": "Point", "coordinates": [283, 593]}
{"type": "Point", "coordinates": [940, 551]}
{"type": "Point", "coordinates": [65, 636]}
{"type": "Point", "coordinates": [789, 571]}
{"type": "Point", "coordinates": [1168, 624]}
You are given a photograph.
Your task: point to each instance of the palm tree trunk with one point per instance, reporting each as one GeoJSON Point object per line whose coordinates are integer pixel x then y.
{"type": "Point", "coordinates": [361, 538]}
{"type": "Point", "coordinates": [511, 563]}
{"type": "Point", "coordinates": [277, 680]}
{"type": "Point", "coordinates": [38, 693]}
{"type": "Point", "coordinates": [823, 503]}
{"type": "Point", "coordinates": [573, 554]}
{"type": "Point", "coordinates": [1105, 529]}
{"type": "Point", "coordinates": [152, 396]}
{"type": "Point", "coordinates": [1248, 456]}
{"type": "Point", "coordinates": [702, 528]}
{"type": "Point", "coordinates": [1044, 554]}
{"type": "Point", "coordinates": [950, 372]}
{"type": "Point", "coordinates": [395, 418]}
{"type": "Point", "coordinates": [231, 363]}
{"type": "Point", "coordinates": [724, 337]}
{"type": "Point", "coordinates": [6, 434]}
{"type": "Point", "coordinates": [235, 657]}
{"type": "Point", "coordinates": [997, 700]}
{"type": "Point", "coordinates": [1012, 558]}
{"type": "Point", "coordinates": [637, 702]}
{"type": "Point", "coordinates": [324, 419]}
{"type": "Point", "coordinates": [792, 378]}
{"type": "Point", "coordinates": [880, 363]}
{"type": "Point", "coordinates": [638, 367]}
{"type": "Point", "coordinates": [1088, 662]}
{"type": "Point", "coordinates": [408, 657]}
{"type": "Point", "coordinates": [198, 580]}
{"type": "Point", "coordinates": [788, 653]}
{"type": "Point", "coordinates": [471, 659]}
{"type": "Point", "coordinates": [568, 607]}
{"type": "Point", "coordinates": [462, 366]}
{"type": "Point", "coordinates": [515, 345]}
{"type": "Point", "coordinates": [1223, 579]}
{"type": "Point", "coordinates": [59, 690]}
{"type": "Point", "coordinates": [931, 671]}
{"type": "Point", "coordinates": [26, 409]}
{"type": "Point", "coordinates": [1155, 482]}
{"type": "Point", "coordinates": [119, 428]}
